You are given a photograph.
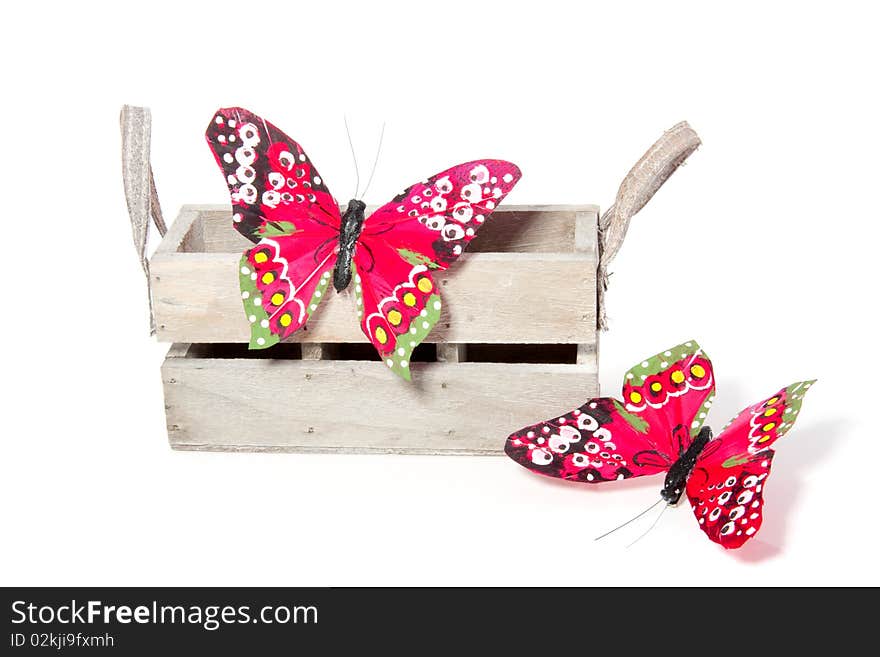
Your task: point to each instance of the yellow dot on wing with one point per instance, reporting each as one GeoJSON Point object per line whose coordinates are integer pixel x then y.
{"type": "Point", "coordinates": [677, 376]}
{"type": "Point", "coordinates": [635, 397]}
{"type": "Point", "coordinates": [698, 371]}
{"type": "Point", "coordinates": [277, 299]}
{"type": "Point", "coordinates": [394, 317]}
{"type": "Point", "coordinates": [267, 278]}
{"type": "Point", "coordinates": [285, 320]}
{"type": "Point", "coordinates": [771, 401]}
{"type": "Point", "coordinates": [768, 427]}
{"type": "Point", "coordinates": [409, 299]}
{"type": "Point", "coordinates": [656, 386]}
{"type": "Point", "coordinates": [424, 285]}
{"type": "Point", "coordinates": [381, 336]}
{"type": "Point", "coordinates": [260, 257]}
{"type": "Point", "coordinates": [769, 412]}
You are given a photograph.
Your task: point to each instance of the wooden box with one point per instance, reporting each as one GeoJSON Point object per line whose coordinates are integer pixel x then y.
{"type": "Point", "coordinates": [517, 341]}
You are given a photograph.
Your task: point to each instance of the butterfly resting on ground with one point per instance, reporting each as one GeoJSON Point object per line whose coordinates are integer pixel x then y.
{"type": "Point", "coordinates": [658, 427]}
{"type": "Point", "coordinates": [303, 242]}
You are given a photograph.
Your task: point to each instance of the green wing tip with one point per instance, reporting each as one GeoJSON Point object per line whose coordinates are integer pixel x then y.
{"type": "Point", "coordinates": [798, 385]}
{"type": "Point", "coordinates": [400, 370]}
{"type": "Point", "coordinates": [255, 345]}
{"type": "Point", "coordinates": [797, 390]}
{"type": "Point", "coordinates": [656, 362]}
{"type": "Point", "coordinates": [408, 341]}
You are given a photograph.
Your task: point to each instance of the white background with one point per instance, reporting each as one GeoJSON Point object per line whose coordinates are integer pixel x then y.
{"type": "Point", "coordinates": [764, 248]}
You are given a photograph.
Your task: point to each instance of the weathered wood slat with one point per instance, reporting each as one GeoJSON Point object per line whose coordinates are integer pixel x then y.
{"type": "Point", "coordinates": [357, 406]}
{"type": "Point", "coordinates": [586, 242]}
{"type": "Point", "coordinates": [319, 351]}
{"type": "Point", "coordinates": [448, 352]}
{"type": "Point", "coordinates": [487, 297]}
{"type": "Point", "coordinates": [185, 234]}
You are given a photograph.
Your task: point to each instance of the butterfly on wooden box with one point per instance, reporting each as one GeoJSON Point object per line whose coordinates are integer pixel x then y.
{"type": "Point", "coordinates": [303, 242]}
{"type": "Point", "coordinates": [657, 428]}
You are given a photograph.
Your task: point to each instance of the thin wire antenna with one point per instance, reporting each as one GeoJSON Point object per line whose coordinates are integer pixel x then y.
{"type": "Point", "coordinates": [357, 171]}
{"type": "Point", "coordinates": [629, 521]}
{"type": "Point", "coordinates": [268, 134]}
{"type": "Point", "coordinates": [653, 524]}
{"type": "Point", "coordinates": [375, 161]}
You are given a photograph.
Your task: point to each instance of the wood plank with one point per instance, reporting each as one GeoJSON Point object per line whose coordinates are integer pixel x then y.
{"type": "Point", "coordinates": [451, 352]}
{"type": "Point", "coordinates": [178, 350]}
{"type": "Point", "coordinates": [587, 353]}
{"type": "Point", "coordinates": [462, 408]}
{"type": "Point", "coordinates": [319, 351]}
{"type": "Point", "coordinates": [586, 232]}
{"type": "Point", "coordinates": [185, 233]}
{"type": "Point", "coordinates": [487, 298]}
{"type": "Point", "coordinates": [512, 228]}
{"type": "Point", "coordinates": [586, 241]}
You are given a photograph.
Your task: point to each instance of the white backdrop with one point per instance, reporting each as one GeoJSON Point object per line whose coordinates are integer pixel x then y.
{"type": "Point", "coordinates": [773, 221]}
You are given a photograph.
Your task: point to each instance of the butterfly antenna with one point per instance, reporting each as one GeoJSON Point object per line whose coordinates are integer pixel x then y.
{"type": "Point", "coordinates": [375, 161]}
{"type": "Point", "coordinates": [357, 172]}
{"type": "Point", "coordinates": [629, 521]}
{"type": "Point", "coordinates": [653, 524]}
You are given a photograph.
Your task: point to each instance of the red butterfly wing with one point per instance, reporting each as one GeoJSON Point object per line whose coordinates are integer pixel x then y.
{"type": "Point", "coordinates": [283, 279]}
{"type": "Point", "coordinates": [432, 222]}
{"type": "Point", "coordinates": [605, 439]}
{"type": "Point", "coordinates": [597, 442]}
{"type": "Point", "coordinates": [726, 488]}
{"type": "Point", "coordinates": [271, 180]}
{"type": "Point", "coordinates": [279, 201]}
{"type": "Point", "coordinates": [398, 303]}
{"type": "Point", "coordinates": [672, 392]}
{"type": "Point", "coordinates": [424, 228]}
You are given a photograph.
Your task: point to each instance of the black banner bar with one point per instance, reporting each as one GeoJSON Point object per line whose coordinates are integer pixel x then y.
{"type": "Point", "coordinates": [246, 621]}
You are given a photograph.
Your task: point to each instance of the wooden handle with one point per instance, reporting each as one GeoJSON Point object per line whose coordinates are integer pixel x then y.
{"type": "Point", "coordinates": [140, 187]}
{"type": "Point", "coordinates": [640, 184]}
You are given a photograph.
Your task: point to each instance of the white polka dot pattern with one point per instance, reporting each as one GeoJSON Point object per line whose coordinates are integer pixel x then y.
{"type": "Point", "coordinates": [433, 221]}
{"type": "Point", "coordinates": [727, 502]}
{"type": "Point", "coordinates": [726, 488]}
{"type": "Point", "coordinates": [269, 176]}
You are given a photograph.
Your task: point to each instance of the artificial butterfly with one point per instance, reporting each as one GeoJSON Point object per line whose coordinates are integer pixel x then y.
{"type": "Point", "coordinates": [280, 202]}
{"type": "Point", "coordinates": [659, 428]}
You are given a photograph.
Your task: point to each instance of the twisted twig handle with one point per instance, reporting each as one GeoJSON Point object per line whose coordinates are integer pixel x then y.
{"type": "Point", "coordinates": [140, 188]}
{"type": "Point", "coordinates": [637, 188]}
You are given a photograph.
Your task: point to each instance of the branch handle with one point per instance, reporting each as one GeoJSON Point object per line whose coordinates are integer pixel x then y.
{"type": "Point", "coordinates": [140, 186]}
{"type": "Point", "coordinates": [640, 184]}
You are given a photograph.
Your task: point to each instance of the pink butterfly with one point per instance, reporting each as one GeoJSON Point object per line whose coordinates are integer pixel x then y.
{"type": "Point", "coordinates": [658, 427]}
{"type": "Point", "coordinates": [280, 202]}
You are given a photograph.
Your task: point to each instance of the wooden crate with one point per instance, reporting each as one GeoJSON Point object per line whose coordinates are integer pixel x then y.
{"type": "Point", "coordinates": [487, 369]}
{"type": "Point", "coordinates": [517, 338]}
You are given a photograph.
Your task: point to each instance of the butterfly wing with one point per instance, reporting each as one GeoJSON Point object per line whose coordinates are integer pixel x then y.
{"type": "Point", "coordinates": [672, 391]}
{"type": "Point", "coordinates": [271, 180]}
{"type": "Point", "coordinates": [398, 303]}
{"type": "Point", "coordinates": [280, 202]}
{"type": "Point", "coordinates": [606, 439]}
{"type": "Point", "coordinates": [424, 228]}
{"type": "Point", "coordinates": [432, 222]}
{"type": "Point", "coordinates": [726, 487]}
{"type": "Point", "coordinates": [282, 280]}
